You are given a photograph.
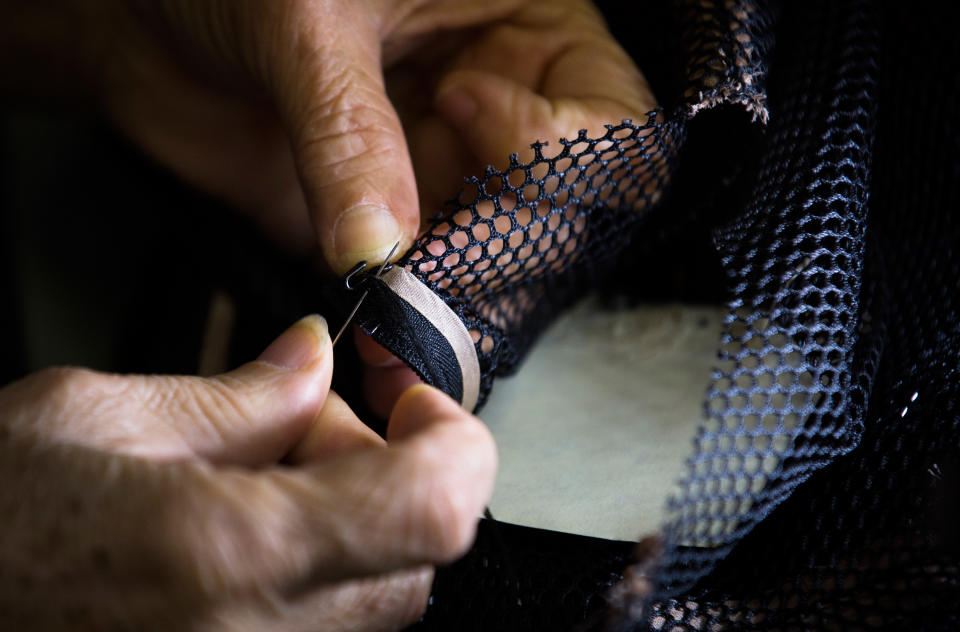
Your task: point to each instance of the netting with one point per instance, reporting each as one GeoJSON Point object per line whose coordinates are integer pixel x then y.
{"type": "Point", "coordinates": [522, 242]}
{"type": "Point", "coordinates": [822, 490]}
{"type": "Point", "coordinates": [517, 245]}
{"type": "Point", "coordinates": [785, 380]}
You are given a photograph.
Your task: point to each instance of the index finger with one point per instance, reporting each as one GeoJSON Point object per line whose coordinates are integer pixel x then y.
{"type": "Point", "coordinates": [572, 75]}
{"type": "Point", "coordinates": [359, 514]}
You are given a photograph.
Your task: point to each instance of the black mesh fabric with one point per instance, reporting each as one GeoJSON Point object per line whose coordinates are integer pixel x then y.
{"type": "Point", "coordinates": [786, 397]}
{"type": "Point", "coordinates": [520, 244]}
{"type": "Point", "coordinates": [822, 490]}
{"type": "Point", "coordinates": [516, 245]}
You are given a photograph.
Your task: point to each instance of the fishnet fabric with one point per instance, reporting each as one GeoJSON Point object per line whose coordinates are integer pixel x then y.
{"type": "Point", "coordinates": [822, 490]}
{"type": "Point", "coordinates": [726, 44]}
{"type": "Point", "coordinates": [795, 260]}
{"type": "Point", "coordinates": [868, 541]}
{"type": "Point", "coordinates": [519, 244]}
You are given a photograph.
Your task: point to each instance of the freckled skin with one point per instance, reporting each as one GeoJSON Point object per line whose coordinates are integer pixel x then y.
{"type": "Point", "coordinates": [153, 535]}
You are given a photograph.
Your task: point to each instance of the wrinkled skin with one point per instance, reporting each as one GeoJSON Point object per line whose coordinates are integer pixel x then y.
{"type": "Point", "coordinates": [300, 110]}
{"type": "Point", "coordinates": [374, 103]}
{"type": "Point", "coordinates": [157, 502]}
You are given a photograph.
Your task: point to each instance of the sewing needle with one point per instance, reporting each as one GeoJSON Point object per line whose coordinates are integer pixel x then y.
{"type": "Point", "coordinates": [356, 307]}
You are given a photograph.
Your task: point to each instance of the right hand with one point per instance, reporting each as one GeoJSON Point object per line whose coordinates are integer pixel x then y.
{"type": "Point", "coordinates": [157, 502]}
{"type": "Point", "coordinates": [340, 123]}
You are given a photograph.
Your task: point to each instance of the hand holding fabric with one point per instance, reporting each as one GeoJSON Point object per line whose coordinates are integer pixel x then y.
{"type": "Point", "coordinates": [336, 122]}
{"type": "Point", "coordinates": [157, 502]}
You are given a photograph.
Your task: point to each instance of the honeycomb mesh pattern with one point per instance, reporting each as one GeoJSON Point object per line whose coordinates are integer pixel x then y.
{"type": "Point", "coordinates": [854, 522]}
{"type": "Point", "coordinates": [795, 262]}
{"type": "Point", "coordinates": [517, 245]}
{"type": "Point", "coordinates": [515, 242]}
{"type": "Point", "coordinates": [726, 43]}
{"type": "Point", "coordinates": [822, 490]}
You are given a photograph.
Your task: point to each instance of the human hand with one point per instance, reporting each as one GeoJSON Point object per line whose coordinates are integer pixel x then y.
{"type": "Point", "coordinates": [156, 502]}
{"type": "Point", "coordinates": [376, 104]}
{"type": "Point", "coordinates": [307, 110]}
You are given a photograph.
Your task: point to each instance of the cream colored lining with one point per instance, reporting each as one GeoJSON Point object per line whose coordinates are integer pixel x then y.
{"type": "Point", "coordinates": [432, 307]}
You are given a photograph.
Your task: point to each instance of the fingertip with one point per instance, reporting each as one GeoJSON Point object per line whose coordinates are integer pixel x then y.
{"type": "Point", "coordinates": [457, 105]}
{"type": "Point", "coordinates": [419, 407]}
{"type": "Point", "coordinates": [383, 386]}
{"type": "Point", "coordinates": [367, 232]}
{"type": "Point", "coordinates": [300, 346]}
{"type": "Point", "coordinates": [303, 353]}
{"type": "Point", "coordinates": [417, 394]}
{"type": "Point", "coordinates": [463, 95]}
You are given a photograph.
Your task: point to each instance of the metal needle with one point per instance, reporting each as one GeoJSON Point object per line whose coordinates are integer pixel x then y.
{"type": "Point", "coordinates": [356, 307]}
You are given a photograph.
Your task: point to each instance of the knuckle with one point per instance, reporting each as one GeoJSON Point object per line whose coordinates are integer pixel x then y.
{"type": "Point", "coordinates": [401, 599]}
{"type": "Point", "coordinates": [217, 403]}
{"type": "Point", "coordinates": [66, 381]}
{"type": "Point", "coordinates": [68, 388]}
{"type": "Point", "coordinates": [65, 403]}
{"type": "Point", "coordinates": [157, 393]}
{"type": "Point", "coordinates": [386, 602]}
{"type": "Point", "coordinates": [219, 542]}
{"type": "Point", "coordinates": [223, 397]}
{"type": "Point", "coordinates": [347, 127]}
{"type": "Point", "coordinates": [414, 597]}
{"type": "Point", "coordinates": [449, 518]}
{"type": "Point", "coordinates": [194, 541]}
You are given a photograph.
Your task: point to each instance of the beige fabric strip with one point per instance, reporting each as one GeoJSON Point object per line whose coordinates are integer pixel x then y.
{"type": "Point", "coordinates": [432, 307]}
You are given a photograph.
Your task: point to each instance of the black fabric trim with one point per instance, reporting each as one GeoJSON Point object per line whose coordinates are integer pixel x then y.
{"type": "Point", "coordinates": [406, 333]}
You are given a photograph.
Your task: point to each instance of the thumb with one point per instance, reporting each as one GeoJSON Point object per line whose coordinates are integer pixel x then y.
{"type": "Point", "coordinates": [250, 416]}
{"type": "Point", "coordinates": [256, 413]}
{"type": "Point", "coordinates": [351, 152]}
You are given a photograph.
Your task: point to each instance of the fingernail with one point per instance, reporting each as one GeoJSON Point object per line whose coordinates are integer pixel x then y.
{"type": "Point", "coordinates": [365, 232]}
{"type": "Point", "coordinates": [416, 390]}
{"type": "Point", "coordinates": [458, 106]}
{"type": "Point", "coordinates": [299, 345]}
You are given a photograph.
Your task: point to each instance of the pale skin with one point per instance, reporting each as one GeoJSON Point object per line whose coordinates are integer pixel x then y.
{"type": "Point", "coordinates": [257, 499]}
